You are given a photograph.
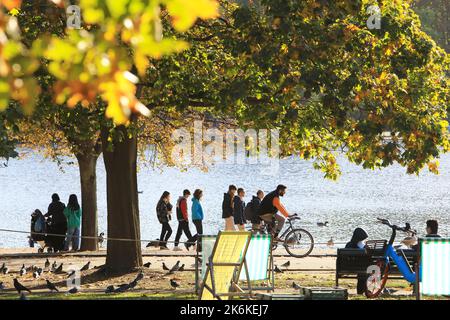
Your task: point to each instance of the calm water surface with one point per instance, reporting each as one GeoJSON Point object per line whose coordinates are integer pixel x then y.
{"type": "Point", "coordinates": [356, 199]}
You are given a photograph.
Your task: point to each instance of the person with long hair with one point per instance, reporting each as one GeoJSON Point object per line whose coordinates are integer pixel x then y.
{"type": "Point", "coordinates": [73, 216]}
{"type": "Point", "coordinates": [163, 212]}
{"type": "Point", "coordinates": [197, 211]}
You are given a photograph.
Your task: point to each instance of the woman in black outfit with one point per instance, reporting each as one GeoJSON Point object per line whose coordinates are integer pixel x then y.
{"type": "Point", "coordinates": [357, 242]}
{"type": "Point", "coordinates": [163, 212]}
{"type": "Point", "coordinates": [58, 224]}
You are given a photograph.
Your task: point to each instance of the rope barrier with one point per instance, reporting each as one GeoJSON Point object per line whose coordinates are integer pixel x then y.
{"type": "Point", "coordinates": [134, 240]}
{"type": "Point", "coordinates": [84, 237]}
{"type": "Point", "coordinates": [118, 239]}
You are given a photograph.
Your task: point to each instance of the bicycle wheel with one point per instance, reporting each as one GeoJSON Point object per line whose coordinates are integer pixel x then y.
{"type": "Point", "coordinates": [374, 285]}
{"type": "Point", "coordinates": [299, 243]}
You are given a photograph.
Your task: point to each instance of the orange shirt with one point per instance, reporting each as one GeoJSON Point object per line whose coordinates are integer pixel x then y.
{"type": "Point", "coordinates": [277, 204]}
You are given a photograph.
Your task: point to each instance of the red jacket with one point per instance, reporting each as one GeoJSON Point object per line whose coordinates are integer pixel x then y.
{"type": "Point", "coordinates": [182, 213]}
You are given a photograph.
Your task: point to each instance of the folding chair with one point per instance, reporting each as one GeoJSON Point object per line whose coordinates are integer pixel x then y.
{"type": "Point", "coordinates": [259, 260]}
{"type": "Point", "coordinates": [224, 266]}
{"type": "Point", "coordinates": [434, 266]}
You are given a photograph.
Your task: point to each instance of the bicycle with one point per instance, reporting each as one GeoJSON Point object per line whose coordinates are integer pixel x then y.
{"type": "Point", "coordinates": [376, 282]}
{"type": "Point", "coordinates": [298, 242]}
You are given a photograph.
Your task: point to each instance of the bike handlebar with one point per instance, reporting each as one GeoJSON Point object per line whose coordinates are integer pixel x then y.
{"type": "Point", "coordinates": [406, 228]}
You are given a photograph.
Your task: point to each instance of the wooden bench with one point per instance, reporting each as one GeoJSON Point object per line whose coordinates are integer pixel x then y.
{"type": "Point", "coordinates": [353, 262]}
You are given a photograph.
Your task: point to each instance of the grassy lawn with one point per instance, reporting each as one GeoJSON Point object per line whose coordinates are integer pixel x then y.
{"type": "Point", "coordinates": [101, 296]}
{"type": "Point", "coordinates": [283, 281]}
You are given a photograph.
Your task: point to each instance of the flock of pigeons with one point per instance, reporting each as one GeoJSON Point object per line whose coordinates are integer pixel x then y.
{"type": "Point", "coordinates": [37, 273]}
{"type": "Point", "coordinates": [58, 269]}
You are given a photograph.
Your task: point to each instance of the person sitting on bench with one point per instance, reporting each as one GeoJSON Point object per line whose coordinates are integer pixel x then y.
{"type": "Point", "coordinates": [358, 242]}
{"type": "Point", "coordinates": [432, 232]}
{"type": "Point", "coordinates": [432, 229]}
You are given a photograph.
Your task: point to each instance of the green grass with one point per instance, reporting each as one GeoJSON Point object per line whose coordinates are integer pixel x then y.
{"type": "Point", "coordinates": [159, 290]}
{"type": "Point", "coordinates": [101, 296]}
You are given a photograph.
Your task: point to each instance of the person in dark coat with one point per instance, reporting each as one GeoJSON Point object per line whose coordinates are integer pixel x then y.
{"type": "Point", "coordinates": [238, 210]}
{"type": "Point", "coordinates": [163, 212]}
{"type": "Point", "coordinates": [58, 223]}
{"type": "Point", "coordinates": [228, 208]}
{"type": "Point", "coordinates": [255, 204]}
{"type": "Point", "coordinates": [357, 242]}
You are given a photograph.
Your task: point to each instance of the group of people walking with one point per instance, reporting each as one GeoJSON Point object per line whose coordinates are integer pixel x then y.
{"type": "Point", "coordinates": [262, 208]}
{"type": "Point", "coordinates": [164, 214]}
{"type": "Point", "coordinates": [235, 212]}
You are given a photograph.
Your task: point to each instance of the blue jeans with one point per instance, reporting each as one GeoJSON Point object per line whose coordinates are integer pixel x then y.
{"type": "Point", "coordinates": [72, 236]}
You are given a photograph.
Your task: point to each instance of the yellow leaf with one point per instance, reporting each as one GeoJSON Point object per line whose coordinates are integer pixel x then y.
{"type": "Point", "coordinates": [14, 12]}
{"type": "Point", "coordinates": [433, 166]}
{"type": "Point", "coordinates": [185, 13]}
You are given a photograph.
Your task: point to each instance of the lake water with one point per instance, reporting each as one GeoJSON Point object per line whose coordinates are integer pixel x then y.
{"type": "Point", "coordinates": [356, 199]}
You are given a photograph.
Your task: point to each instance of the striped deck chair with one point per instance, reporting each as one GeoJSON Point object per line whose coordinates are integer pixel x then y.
{"type": "Point", "coordinates": [224, 266]}
{"type": "Point", "coordinates": [435, 266]}
{"type": "Point", "coordinates": [259, 261]}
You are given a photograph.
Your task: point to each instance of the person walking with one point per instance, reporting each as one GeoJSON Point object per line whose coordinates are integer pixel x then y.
{"type": "Point", "coordinates": [58, 223]}
{"type": "Point", "coordinates": [73, 216]}
{"type": "Point", "coordinates": [228, 208]}
{"type": "Point", "coordinates": [251, 211]}
{"type": "Point", "coordinates": [238, 210]}
{"type": "Point", "coordinates": [197, 213]}
{"type": "Point", "coordinates": [183, 222]}
{"type": "Point", "coordinates": [163, 212]}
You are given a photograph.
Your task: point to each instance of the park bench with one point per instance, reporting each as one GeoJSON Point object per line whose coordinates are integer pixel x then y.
{"type": "Point", "coordinates": [353, 262]}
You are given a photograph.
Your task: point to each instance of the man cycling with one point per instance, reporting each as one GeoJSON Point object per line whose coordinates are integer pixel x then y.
{"type": "Point", "coordinates": [271, 208]}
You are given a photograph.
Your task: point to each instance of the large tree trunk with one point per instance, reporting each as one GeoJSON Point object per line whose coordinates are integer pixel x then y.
{"type": "Point", "coordinates": [122, 198]}
{"type": "Point", "coordinates": [88, 176]}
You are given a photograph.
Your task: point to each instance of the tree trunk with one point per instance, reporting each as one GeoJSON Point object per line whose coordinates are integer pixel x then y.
{"type": "Point", "coordinates": [88, 176]}
{"type": "Point", "coordinates": [122, 199]}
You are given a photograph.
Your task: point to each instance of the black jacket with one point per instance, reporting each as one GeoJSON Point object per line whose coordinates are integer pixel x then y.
{"type": "Point", "coordinates": [267, 204]}
{"type": "Point", "coordinates": [227, 209]}
{"type": "Point", "coordinates": [162, 211]}
{"type": "Point", "coordinates": [238, 211]}
{"type": "Point", "coordinates": [358, 235]}
{"type": "Point", "coordinates": [56, 213]}
{"type": "Point", "coordinates": [251, 210]}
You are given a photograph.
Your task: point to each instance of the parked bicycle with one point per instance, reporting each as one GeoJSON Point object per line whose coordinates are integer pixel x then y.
{"type": "Point", "coordinates": [298, 242]}
{"type": "Point", "coordinates": [376, 282]}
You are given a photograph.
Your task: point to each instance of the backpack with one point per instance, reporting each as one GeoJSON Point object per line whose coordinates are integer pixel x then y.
{"type": "Point", "coordinates": [249, 211]}
{"type": "Point", "coordinates": [39, 225]}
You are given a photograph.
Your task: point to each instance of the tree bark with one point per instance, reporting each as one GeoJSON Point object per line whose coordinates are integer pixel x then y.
{"type": "Point", "coordinates": [122, 200]}
{"type": "Point", "coordinates": [88, 177]}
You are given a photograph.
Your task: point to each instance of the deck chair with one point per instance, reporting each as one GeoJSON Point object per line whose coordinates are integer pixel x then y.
{"type": "Point", "coordinates": [224, 266]}
{"type": "Point", "coordinates": [434, 266]}
{"type": "Point", "coordinates": [259, 260]}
